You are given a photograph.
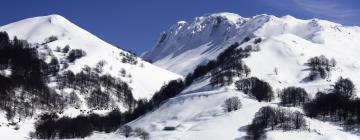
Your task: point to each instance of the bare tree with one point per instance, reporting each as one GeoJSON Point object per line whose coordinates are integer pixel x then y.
{"type": "Point", "coordinates": [232, 104]}
{"type": "Point", "coordinates": [126, 130]}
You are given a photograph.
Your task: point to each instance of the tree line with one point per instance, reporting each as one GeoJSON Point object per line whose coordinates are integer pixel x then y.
{"type": "Point", "coordinates": [270, 118]}
{"type": "Point", "coordinates": [174, 87]}
{"type": "Point", "coordinates": [229, 61]}
{"type": "Point", "coordinates": [293, 96]}
{"type": "Point", "coordinates": [254, 87]}
{"type": "Point", "coordinates": [97, 87]}
{"type": "Point", "coordinates": [340, 105]}
{"type": "Point", "coordinates": [89, 80]}
{"type": "Point", "coordinates": [24, 88]}
{"type": "Point", "coordinates": [51, 126]}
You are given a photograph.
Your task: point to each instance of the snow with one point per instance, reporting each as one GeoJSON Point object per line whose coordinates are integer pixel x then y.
{"type": "Point", "coordinates": [197, 111]}
{"type": "Point", "coordinates": [207, 32]}
{"type": "Point", "coordinates": [187, 39]}
{"type": "Point", "coordinates": [8, 131]}
{"type": "Point", "coordinates": [198, 114]}
{"type": "Point", "coordinates": [287, 45]}
{"type": "Point", "coordinates": [144, 81]}
{"type": "Point", "coordinates": [144, 78]}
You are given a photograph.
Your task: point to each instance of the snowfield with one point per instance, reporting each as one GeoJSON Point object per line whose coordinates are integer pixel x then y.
{"type": "Point", "coordinates": [200, 115]}
{"type": "Point", "coordinates": [287, 44]}
{"type": "Point", "coordinates": [197, 112]}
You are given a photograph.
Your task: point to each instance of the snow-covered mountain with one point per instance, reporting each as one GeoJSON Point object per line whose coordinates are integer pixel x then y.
{"type": "Point", "coordinates": [286, 45]}
{"type": "Point", "coordinates": [142, 77]}
{"type": "Point", "coordinates": [281, 47]}
{"type": "Point", "coordinates": [186, 44]}
{"type": "Point", "coordinates": [51, 34]}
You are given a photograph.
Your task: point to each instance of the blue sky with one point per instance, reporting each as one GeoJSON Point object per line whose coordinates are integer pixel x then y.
{"type": "Point", "coordinates": [135, 24]}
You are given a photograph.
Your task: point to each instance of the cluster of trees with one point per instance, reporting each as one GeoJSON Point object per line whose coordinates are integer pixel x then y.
{"type": "Point", "coordinates": [257, 40]}
{"type": "Point", "coordinates": [51, 126]}
{"type": "Point", "coordinates": [229, 65]}
{"type": "Point", "coordinates": [256, 88]}
{"type": "Point", "coordinates": [54, 66]}
{"type": "Point", "coordinates": [24, 89]}
{"type": "Point", "coordinates": [98, 87]}
{"type": "Point", "coordinates": [75, 54]}
{"type": "Point", "coordinates": [98, 100]}
{"type": "Point", "coordinates": [167, 91]}
{"type": "Point", "coordinates": [293, 96]}
{"type": "Point", "coordinates": [173, 88]}
{"type": "Point", "coordinates": [338, 105]}
{"type": "Point", "coordinates": [50, 39]}
{"type": "Point", "coordinates": [200, 71]}
{"type": "Point", "coordinates": [128, 58]}
{"type": "Point", "coordinates": [232, 104]}
{"type": "Point", "coordinates": [233, 68]}
{"type": "Point", "coordinates": [66, 49]}
{"type": "Point", "coordinates": [320, 66]}
{"type": "Point", "coordinates": [274, 118]}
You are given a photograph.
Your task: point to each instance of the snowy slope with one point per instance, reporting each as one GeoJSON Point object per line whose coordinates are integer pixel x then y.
{"type": "Point", "coordinates": [145, 78]}
{"type": "Point", "coordinates": [287, 44]}
{"type": "Point", "coordinates": [197, 112]}
{"type": "Point", "coordinates": [200, 115]}
{"type": "Point", "coordinates": [187, 44]}
{"type": "Point", "coordinates": [181, 48]}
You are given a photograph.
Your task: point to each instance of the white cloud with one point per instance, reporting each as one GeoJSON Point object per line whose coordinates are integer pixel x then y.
{"type": "Point", "coordinates": [328, 8]}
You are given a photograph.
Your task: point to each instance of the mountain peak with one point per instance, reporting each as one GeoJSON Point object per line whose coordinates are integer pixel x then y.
{"type": "Point", "coordinates": [230, 16]}
{"type": "Point", "coordinates": [38, 30]}
{"type": "Point", "coordinates": [55, 18]}
{"type": "Point", "coordinates": [209, 34]}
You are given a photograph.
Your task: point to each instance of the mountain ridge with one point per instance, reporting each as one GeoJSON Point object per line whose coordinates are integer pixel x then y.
{"type": "Point", "coordinates": [217, 52]}
{"type": "Point", "coordinates": [280, 53]}
{"type": "Point", "coordinates": [196, 34]}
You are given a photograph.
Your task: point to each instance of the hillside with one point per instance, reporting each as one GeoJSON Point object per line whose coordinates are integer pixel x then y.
{"type": "Point", "coordinates": [189, 43]}
{"type": "Point", "coordinates": [38, 29]}
{"type": "Point", "coordinates": [106, 77]}
{"type": "Point", "coordinates": [263, 77]}
{"type": "Point", "coordinates": [283, 47]}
